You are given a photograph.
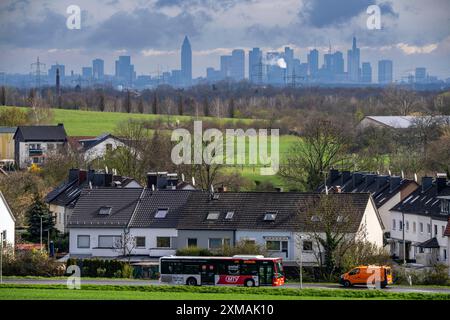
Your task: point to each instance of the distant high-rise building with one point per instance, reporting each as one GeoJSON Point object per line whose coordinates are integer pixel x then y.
{"type": "Point", "coordinates": [98, 69]}
{"type": "Point", "coordinates": [366, 72]}
{"type": "Point", "coordinates": [52, 73]}
{"type": "Point", "coordinates": [353, 57]}
{"type": "Point", "coordinates": [213, 75]}
{"type": "Point", "coordinates": [313, 62]}
{"type": "Point", "coordinates": [186, 62]}
{"type": "Point", "coordinates": [385, 71]}
{"type": "Point", "coordinates": [86, 72]}
{"type": "Point", "coordinates": [421, 75]}
{"type": "Point", "coordinates": [238, 64]}
{"type": "Point", "coordinates": [289, 59]}
{"type": "Point", "coordinates": [225, 66]}
{"type": "Point", "coordinates": [276, 72]}
{"type": "Point", "coordinates": [125, 70]}
{"type": "Point", "coordinates": [255, 66]}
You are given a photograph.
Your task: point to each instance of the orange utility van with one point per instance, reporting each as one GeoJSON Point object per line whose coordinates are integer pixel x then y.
{"type": "Point", "coordinates": [379, 276]}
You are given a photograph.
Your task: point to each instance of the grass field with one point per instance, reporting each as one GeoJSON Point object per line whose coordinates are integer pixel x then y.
{"type": "Point", "coordinates": [152, 292]}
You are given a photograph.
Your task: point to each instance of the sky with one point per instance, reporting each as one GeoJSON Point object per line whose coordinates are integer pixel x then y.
{"type": "Point", "coordinates": [414, 33]}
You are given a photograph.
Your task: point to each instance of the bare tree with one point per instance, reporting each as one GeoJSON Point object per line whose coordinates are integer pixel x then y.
{"type": "Point", "coordinates": [401, 101]}
{"type": "Point", "coordinates": [125, 244]}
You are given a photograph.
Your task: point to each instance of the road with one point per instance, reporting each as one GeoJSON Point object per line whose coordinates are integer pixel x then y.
{"type": "Point", "coordinates": [156, 282]}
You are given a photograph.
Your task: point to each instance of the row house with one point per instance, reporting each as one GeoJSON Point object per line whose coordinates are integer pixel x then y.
{"type": "Point", "coordinates": [163, 219]}
{"type": "Point", "coordinates": [418, 223]}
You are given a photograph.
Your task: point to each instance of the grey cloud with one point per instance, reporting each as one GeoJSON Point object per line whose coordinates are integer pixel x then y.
{"type": "Point", "coordinates": [210, 4]}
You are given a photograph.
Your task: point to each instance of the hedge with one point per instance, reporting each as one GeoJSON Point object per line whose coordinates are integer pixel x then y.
{"type": "Point", "coordinates": [102, 268]}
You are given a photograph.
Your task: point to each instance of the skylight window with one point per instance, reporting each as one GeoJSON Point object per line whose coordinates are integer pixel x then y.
{"type": "Point", "coordinates": [270, 216]}
{"type": "Point", "coordinates": [104, 211]}
{"type": "Point", "coordinates": [229, 215]}
{"type": "Point", "coordinates": [161, 213]}
{"type": "Point", "coordinates": [213, 215]}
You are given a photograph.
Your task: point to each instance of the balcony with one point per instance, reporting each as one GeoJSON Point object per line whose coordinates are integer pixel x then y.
{"type": "Point", "coordinates": [35, 152]}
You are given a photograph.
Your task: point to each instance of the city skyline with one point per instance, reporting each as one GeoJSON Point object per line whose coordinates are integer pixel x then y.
{"type": "Point", "coordinates": [413, 33]}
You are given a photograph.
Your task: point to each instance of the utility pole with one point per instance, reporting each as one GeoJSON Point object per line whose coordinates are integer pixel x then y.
{"type": "Point", "coordinates": [41, 233]}
{"type": "Point", "coordinates": [1, 256]}
{"type": "Point", "coordinates": [403, 232]}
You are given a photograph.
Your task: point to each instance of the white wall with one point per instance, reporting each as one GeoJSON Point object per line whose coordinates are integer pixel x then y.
{"type": "Point", "coordinates": [370, 224]}
{"type": "Point", "coordinates": [59, 215]}
{"type": "Point", "coordinates": [24, 156]}
{"type": "Point", "coordinates": [6, 221]}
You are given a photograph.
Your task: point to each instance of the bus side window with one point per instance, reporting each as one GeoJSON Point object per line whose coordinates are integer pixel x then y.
{"type": "Point", "coordinates": [249, 269]}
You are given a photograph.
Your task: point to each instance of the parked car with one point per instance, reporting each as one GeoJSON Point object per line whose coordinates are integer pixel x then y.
{"type": "Point", "coordinates": [380, 276]}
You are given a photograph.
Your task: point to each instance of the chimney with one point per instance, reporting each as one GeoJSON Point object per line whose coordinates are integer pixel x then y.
{"type": "Point", "coordinates": [161, 182]}
{"type": "Point", "coordinates": [152, 178]}
{"type": "Point", "coordinates": [427, 182]}
{"type": "Point", "coordinates": [338, 189]}
{"type": "Point", "coordinates": [90, 175]}
{"type": "Point", "coordinates": [394, 182]}
{"type": "Point", "coordinates": [345, 176]}
{"type": "Point", "coordinates": [333, 175]}
{"type": "Point", "coordinates": [82, 175]}
{"type": "Point", "coordinates": [99, 179]}
{"type": "Point", "coordinates": [441, 182]}
{"type": "Point", "coordinates": [108, 179]}
{"type": "Point", "coordinates": [381, 181]}
{"type": "Point", "coordinates": [73, 174]}
{"type": "Point", "coordinates": [222, 189]}
{"type": "Point", "coordinates": [357, 178]}
{"type": "Point", "coordinates": [172, 181]}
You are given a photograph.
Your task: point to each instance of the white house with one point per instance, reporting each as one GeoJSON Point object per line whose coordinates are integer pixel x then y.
{"type": "Point", "coordinates": [447, 234]}
{"type": "Point", "coordinates": [418, 223]}
{"type": "Point", "coordinates": [7, 222]}
{"type": "Point", "coordinates": [97, 147]}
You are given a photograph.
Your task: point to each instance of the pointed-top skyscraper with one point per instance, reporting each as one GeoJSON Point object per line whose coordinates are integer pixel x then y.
{"type": "Point", "coordinates": [186, 62]}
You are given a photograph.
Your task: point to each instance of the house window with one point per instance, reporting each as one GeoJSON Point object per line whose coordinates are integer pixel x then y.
{"type": "Point", "coordinates": [108, 242]}
{"type": "Point", "coordinates": [104, 211]}
{"type": "Point", "coordinates": [421, 227]}
{"type": "Point", "coordinates": [83, 241]}
{"type": "Point", "coordinates": [429, 228]}
{"type": "Point", "coordinates": [140, 242]}
{"type": "Point", "coordinates": [400, 225]}
{"type": "Point", "coordinates": [435, 230]}
{"type": "Point", "coordinates": [445, 206]}
{"type": "Point", "coordinates": [217, 243]}
{"type": "Point", "coordinates": [445, 254]}
{"type": "Point", "coordinates": [161, 213]}
{"type": "Point", "coordinates": [229, 215]}
{"type": "Point", "coordinates": [407, 226]}
{"type": "Point", "coordinates": [273, 245]}
{"type": "Point", "coordinates": [270, 216]}
{"type": "Point", "coordinates": [108, 147]}
{"type": "Point", "coordinates": [443, 231]}
{"type": "Point", "coordinates": [163, 242]}
{"type": "Point", "coordinates": [307, 245]}
{"type": "Point", "coordinates": [414, 227]}
{"type": "Point", "coordinates": [393, 224]}
{"type": "Point", "coordinates": [192, 242]}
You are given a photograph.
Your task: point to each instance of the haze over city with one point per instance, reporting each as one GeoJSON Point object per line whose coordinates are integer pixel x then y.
{"type": "Point", "coordinates": [413, 34]}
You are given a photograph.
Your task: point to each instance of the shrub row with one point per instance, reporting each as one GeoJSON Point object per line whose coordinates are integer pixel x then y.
{"type": "Point", "coordinates": [332, 293]}
{"type": "Point", "coordinates": [102, 268]}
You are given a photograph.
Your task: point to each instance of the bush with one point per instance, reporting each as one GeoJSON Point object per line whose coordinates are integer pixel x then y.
{"type": "Point", "coordinates": [30, 263]}
{"type": "Point", "coordinates": [101, 272]}
{"type": "Point", "coordinates": [103, 268]}
{"type": "Point", "coordinates": [127, 271]}
{"type": "Point", "coordinates": [438, 275]}
{"type": "Point", "coordinates": [193, 251]}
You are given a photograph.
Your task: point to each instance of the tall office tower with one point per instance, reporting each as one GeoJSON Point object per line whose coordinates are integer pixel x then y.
{"type": "Point", "coordinates": [338, 63]}
{"type": "Point", "coordinates": [52, 73]}
{"type": "Point", "coordinates": [255, 66]}
{"type": "Point", "coordinates": [353, 57]}
{"type": "Point", "coordinates": [366, 73]}
{"type": "Point", "coordinates": [225, 66]}
{"type": "Point", "coordinates": [98, 68]}
{"type": "Point", "coordinates": [313, 62]}
{"type": "Point", "coordinates": [57, 82]}
{"type": "Point", "coordinates": [125, 70]}
{"type": "Point", "coordinates": [186, 62]}
{"type": "Point", "coordinates": [238, 64]}
{"type": "Point", "coordinates": [86, 72]}
{"type": "Point", "coordinates": [420, 75]}
{"type": "Point", "coordinates": [385, 71]}
{"type": "Point", "coordinates": [289, 59]}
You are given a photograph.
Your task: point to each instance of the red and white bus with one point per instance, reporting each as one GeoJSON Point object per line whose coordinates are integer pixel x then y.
{"type": "Point", "coordinates": [241, 270]}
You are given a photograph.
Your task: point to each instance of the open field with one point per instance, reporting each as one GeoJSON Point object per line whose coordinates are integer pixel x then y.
{"type": "Point", "coordinates": [55, 291]}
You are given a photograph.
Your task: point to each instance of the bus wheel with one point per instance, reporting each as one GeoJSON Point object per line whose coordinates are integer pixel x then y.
{"type": "Point", "coordinates": [347, 284]}
{"type": "Point", "coordinates": [249, 283]}
{"type": "Point", "coordinates": [191, 281]}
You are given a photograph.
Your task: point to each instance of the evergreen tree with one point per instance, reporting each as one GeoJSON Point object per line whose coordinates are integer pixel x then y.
{"type": "Point", "coordinates": [101, 104]}
{"type": "Point", "coordinates": [127, 102]}
{"type": "Point", "coordinates": [3, 96]}
{"type": "Point", "coordinates": [155, 104]}
{"type": "Point", "coordinates": [141, 106]}
{"type": "Point", "coordinates": [37, 210]}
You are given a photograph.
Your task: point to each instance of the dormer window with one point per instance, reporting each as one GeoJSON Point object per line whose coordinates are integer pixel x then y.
{"type": "Point", "coordinates": [161, 213]}
{"type": "Point", "coordinates": [270, 216]}
{"type": "Point", "coordinates": [104, 211]}
{"type": "Point", "coordinates": [229, 215]}
{"type": "Point", "coordinates": [214, 215]}
{"type": "Point", "coordinates": [445, 206]}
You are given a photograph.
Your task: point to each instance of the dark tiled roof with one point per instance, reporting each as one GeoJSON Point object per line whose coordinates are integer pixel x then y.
{"type": "Point", "coordinates": [250, 208]}
{"type": "Point", "coordinates": [381, 187]}
{"type": "Point", "coordinates": [174, 200]}
{"type": "Point", "coordinates": [424, 202]}
{"type": "Point", "coordinates": [430, 243]}
{"type": "Point", "coordinates": [122, 202]}
{"type": "Point", "coordinates": [90, 143]}
{"type": "Point", "coordinates": [8, 129]}
{"type": "Point", "coordinates": [42, 133]}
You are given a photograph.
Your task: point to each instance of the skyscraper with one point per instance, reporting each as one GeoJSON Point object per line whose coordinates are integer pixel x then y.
{"type": "Point", "coordinates": [98, 68]}
{"type": "Point", "coordinates": [366, 73]}
{"type": "Point", "coordinates": [225, 66]}
{"type": "Point", "coordinates": [238, 64]}
{"type": "Point", "coordinates": [313, 62]}
{"type": "Point", "coordinates": [420, 75]}
{"type": "Point", "coordinates": [125, 70]}
{"type": "Point", "coordinates": [353, 56]}
{"type": "Point", "coordinates": [289, 59]}
{"type": "Point", "coordinates": [86, 72]}
{"type": "Point", "coordinates": [52, 73]}
{"type": "Point", "coordinates": [186, 62]}
{"type": "Point", "coordinates": [255, 66]}
{"type": "Point", "coordinates": [385, 71]}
